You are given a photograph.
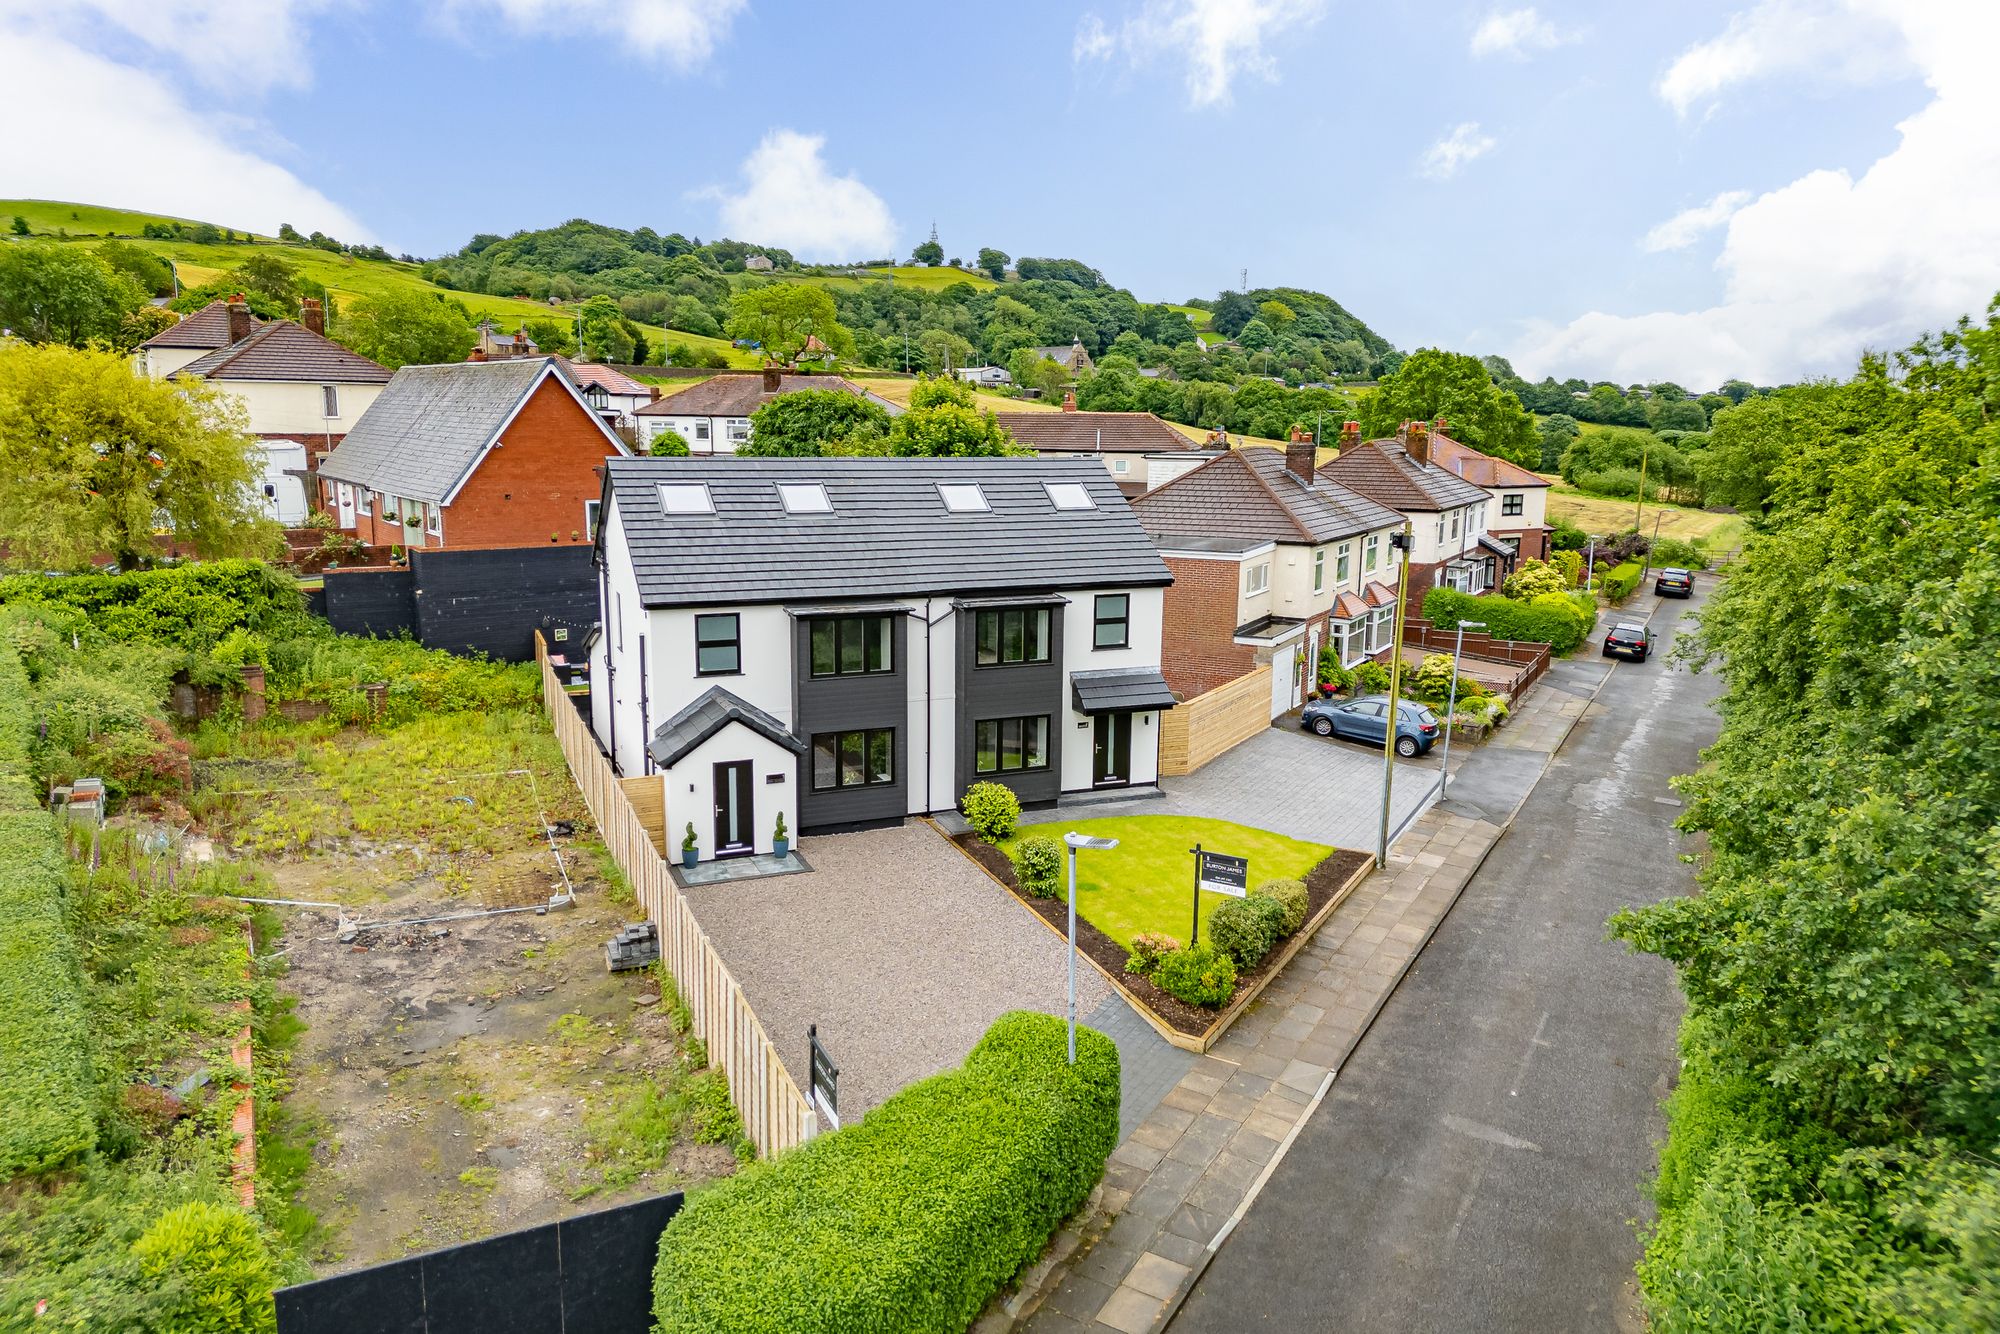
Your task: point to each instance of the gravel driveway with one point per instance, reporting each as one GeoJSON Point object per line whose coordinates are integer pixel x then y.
{"type": "Point", "coordinates": [896, 945]}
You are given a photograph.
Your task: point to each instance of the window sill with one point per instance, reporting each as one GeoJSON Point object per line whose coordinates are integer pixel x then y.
{"type": "Point", "coordinates": [1004, 666]}
{"type": "Point", "coordinates": [734, 671]}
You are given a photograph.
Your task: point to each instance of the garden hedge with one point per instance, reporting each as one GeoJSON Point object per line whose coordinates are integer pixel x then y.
{"type": "Point", "coordinates": [45, 1064]}
{"type": "Point", "coordinates": [1555, 619]}
{"type": "Point", "coordinates": [1620, 580]}
{"type": "Point", "coordinates": [913, 1218]}
{"type": "Point", "coordinates": [188, 606]}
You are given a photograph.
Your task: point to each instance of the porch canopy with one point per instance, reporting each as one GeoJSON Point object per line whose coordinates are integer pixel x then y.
{"type": "Point", "coordinates": [1120, 690]}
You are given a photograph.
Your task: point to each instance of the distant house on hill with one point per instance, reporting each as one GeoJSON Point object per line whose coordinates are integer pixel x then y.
{"type": "Point", "coordinates": [714, 416]}
{"type": "Point", "coordinates": [499, 346]}
{"type": "Point", "coordinates": [757, 263]}
{"type": "Point", "coordinates": [1073, 358]}
{"type": "Point", "coordinates": [984, 376]}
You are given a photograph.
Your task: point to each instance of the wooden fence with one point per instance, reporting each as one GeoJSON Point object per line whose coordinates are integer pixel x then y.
{"type": "Point", "coordinates": [1478, 644]}
{"type": "Point", "coordinates": [1195, 732]}
{"type": "Point", "coordinates": [776, 1116]}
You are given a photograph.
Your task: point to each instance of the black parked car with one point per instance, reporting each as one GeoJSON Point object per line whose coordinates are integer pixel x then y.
{"type": "Point", "coordinates": [1366, 720]}
{"type": "Point", "coordinates": [1628, 641]}
{"type": "Point", "coordinates": [1674, 583]}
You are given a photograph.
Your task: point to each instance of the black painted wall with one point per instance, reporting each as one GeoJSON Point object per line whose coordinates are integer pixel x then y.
{"type": "Point", "coordinates": [1019, 690]}
{"type": "Point", "coordinates": [371, 602]}
{"type": "Point", "coordinates": [842, 703]}
{"type": "Point", "coordinates": [593, 1272]}
{"type": "Point", "coordinates": [489, 602]}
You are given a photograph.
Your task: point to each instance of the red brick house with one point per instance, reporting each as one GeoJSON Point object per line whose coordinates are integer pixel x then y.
{"type": "Point", "coordinates": [474, 454]}
{"type": "Point", "coordinates": [1269, 563]}
{"type": "Point", "coordinates": [1519, 517]}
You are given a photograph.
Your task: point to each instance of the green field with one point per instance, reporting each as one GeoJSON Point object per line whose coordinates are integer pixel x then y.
{"type": "Point", "coordinates": [344, 275]}
{"type": "Point", "coordinates": [1598, 514]}
{"type": "Point", "coordinates": [1146, 883]}
{"type": "Point", "coordinates": [923, 278]}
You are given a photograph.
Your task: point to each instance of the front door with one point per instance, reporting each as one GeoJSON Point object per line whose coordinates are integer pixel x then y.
{"type": "Point", "coordinates": [344, 498]}
{"type": "Point", "coordinates": [733, 810]}
{"type": "Point", "coordinates": [1111, 764]}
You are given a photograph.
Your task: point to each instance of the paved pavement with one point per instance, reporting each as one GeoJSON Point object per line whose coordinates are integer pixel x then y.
{"type": "Point", "coordinates": [1476, 1163]}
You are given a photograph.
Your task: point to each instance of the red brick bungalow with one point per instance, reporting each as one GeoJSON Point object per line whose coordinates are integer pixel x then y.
{"type": "Point", "coordinates": [473, 454]}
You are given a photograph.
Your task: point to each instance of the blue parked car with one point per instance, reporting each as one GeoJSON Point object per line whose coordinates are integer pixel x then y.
{"type": "Point", "coordinates": [1365, 720]}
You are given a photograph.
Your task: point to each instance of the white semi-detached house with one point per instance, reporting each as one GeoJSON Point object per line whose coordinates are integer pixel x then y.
{"type": "Point", "coordinates": [1452, 546]}
{"type": "Point", "coordinates": [714, 416]}
{"type": "Point", "coordinates": [847, 642]}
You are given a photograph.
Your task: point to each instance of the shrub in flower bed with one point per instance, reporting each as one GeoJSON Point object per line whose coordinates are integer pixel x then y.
{"type": "Point", "coordinates": [911, 1219]}
{"type": "Point", "coordinates": [1038, 865]}
{"type": "Point", "coordinates": [1620, 580]}
{"type": "Point", "coordinates": [1147, 949]}
{"type": "Point", "coordinates": [1371, 678]}
{"type": "Point", "coordinates": [992, 810]}
{"type": "Point", "coordinates": [1202, 975]}
{"type": "Point", "coordinates": [1246, 928]}
{"type": "Point", "coordinates": [1290, 896]}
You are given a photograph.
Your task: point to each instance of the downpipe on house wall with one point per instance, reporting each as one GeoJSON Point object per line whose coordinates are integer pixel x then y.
{"type": "Point", "coordinates": [930, 707]}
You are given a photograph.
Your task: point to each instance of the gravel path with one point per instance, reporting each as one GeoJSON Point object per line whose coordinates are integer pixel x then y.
{"type": "Point", "coordinates": [897, 946]}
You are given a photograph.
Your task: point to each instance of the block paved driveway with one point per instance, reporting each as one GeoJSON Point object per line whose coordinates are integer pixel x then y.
{"type": "Point", "coordinates": [900, 949]}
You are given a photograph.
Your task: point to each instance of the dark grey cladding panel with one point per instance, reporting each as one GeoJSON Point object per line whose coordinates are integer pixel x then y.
{"type": "Point", "coordinates": [846, 703]}
{"type": "Point", "coordinates": [887, 534]}
{"type": "Point", "coordinates": [1021, 690]}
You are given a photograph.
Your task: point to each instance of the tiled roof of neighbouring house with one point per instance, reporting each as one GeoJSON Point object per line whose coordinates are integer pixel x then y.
{"type": "Point", "coordinates": [1383, 471]}
{"type": "Point", "coordinates": [1247, 493]}
{"type": "Point", "coordinates": [428, 428]}
{"type": "Point", "coordinates": [885, 531]}
{"type": "Point", "coordinates": [205, 328]}
{"type": "Point", "coordinates": [587, 373]}
{"type": "Point", "coordinates": [1094, 432]}
{"type": "Point", "coordinates": [1480, 469]}
{"type": "Point", "coordinates": [282, 350]}
{"type": "Point", "coordinates": [740, 395]}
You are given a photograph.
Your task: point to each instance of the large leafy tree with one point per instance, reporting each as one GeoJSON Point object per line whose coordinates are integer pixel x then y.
{"type": "Point", "coordinates": [943, 422]}
{"type": "Point", "coordinates": [100, 461]}
{"type": "Point", "coordinates": [407, 327]}
{"type": "Point", "coordinates": [782, 316]}
{"type": "Point", "coordinates": [605, 335]}
{"type": "Point", "coordinates": [809, 422]}
{"type": "Point", "coordinates": [1432, 383]}
{"type": "Point", "coordinates": [1830, 1158]}
{"type": "Point", "coordinates": [993, 262]}
{"type": "Point", "coordinates": [54, 293]}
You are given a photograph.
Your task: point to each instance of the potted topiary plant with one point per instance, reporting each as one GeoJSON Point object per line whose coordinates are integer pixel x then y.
{"type": "Point", "coordinates": [689, 851]}
{"type": "Point", "coordinates": [781, 842]}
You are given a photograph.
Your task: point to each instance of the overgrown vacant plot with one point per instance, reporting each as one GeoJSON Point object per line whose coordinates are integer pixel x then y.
{"type": "Point", "coordinates": [1146, 883]}
{"type": "Point", "coordinates": [1597, 514]}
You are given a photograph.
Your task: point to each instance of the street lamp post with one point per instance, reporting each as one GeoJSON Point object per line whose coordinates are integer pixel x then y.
{"type": "Point", "coordinates": [1450, 709]}
{"type": "Point", "coordinates": [1073, 841]}
{"type": "Point", "coordinates": [1404, 542]}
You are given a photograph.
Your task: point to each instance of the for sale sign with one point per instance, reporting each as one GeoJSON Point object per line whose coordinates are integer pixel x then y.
{"type": "Point", "coordinates": [1223, 874]}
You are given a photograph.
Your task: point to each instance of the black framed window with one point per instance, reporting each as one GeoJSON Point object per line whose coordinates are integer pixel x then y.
{"type": "Point", "coordinates": [865, 758]}
{"type": "Point", "coordinates": [1510, 503]}
{"type": "Point", "coordinates": [1113, 622]}
{"type": "Point", "coordinates": [853, 645]}
{"type": "Point", "coordinates": [717, 651]}
{"type": "Point", "coordinates": [1010, 636]}
{"type": "Point", "coordinates": [1010, 745]}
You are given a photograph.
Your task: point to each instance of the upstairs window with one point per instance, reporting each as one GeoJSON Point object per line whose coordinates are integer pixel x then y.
{"type": "Point", "coordinates": [1319, 570]}
{"type": "Point", "coordinates": [1371, 552]}
{"type": "Point", "coordinates": [852, 645]}
{"type": "Point", "coordinates": [1511, 503]}
{"type": "Point", "coordinates": [329, 401]}
{"type": "Point", "coordinates": [1112, 628]}
{"type": "Point", "coordinates": [1069, 495]}
{"type": "Point", "coordinates": [804, 498]}
{"type": "Point", "coordinates": [1257, 577]}
{"type": "Point", "coordinates": [717, 648]}
{"type": "Point", "coordinates": [1343, 556]}
{"type": "Point", "coordinates": [1011, 636]}
{"type": "Point", "coordinates": [963, 497]}
{"type": "Point", "coordinates": [686, 498]}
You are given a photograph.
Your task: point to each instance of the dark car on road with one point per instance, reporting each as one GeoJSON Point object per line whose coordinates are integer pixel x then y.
{"type": "Point", "coordinates": [1628, 640]}
{"type": "Point", "coordinates": [1674, 583]}
{"type": "Point", "coordinates": [1365, 719]}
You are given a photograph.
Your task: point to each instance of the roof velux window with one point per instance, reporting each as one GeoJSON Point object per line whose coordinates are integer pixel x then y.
{"type": "Point", "coordinates": [1069, 496]}
{"type": "Point", "coordinates": [804, 498]}
{"type": "Point", "coordinates": [963, 497]}
{"type": "Point", "coordinates": [686, 498]}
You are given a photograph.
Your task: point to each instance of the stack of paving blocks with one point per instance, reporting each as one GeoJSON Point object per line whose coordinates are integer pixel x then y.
{"type": "Point", "coordinates": [634, 946]}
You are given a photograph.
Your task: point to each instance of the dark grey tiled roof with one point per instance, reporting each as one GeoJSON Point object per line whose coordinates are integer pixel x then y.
{"type": "Point", "coordinates": [714, 710]}
{"type": "Point", "coordinates": [430, 425]}
{"type": "Point", "coordinates": [1248, 494]}
{"type": "Point", "coordinates": [888, 535]}
{"type": "Point", "coordinates": [1116, 689]}
{"type": "Point", "coordinates": [1383, 471]}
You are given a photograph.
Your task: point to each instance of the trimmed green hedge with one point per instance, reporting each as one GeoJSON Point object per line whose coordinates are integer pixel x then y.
{"type": "Point", "coordinates": [45, 1066]}
{"type": "Point", "coordinates": [1556, 619]}
{"type": "Point", "coordinates": [912, 1219]}
{"type": "Point", "coordinates": [1620, 580]}
{"type": "Point", "coordinates": [188, 606]}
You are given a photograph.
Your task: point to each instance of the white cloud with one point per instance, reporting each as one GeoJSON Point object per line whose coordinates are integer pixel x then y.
{"type": "Point", "coordinates": [1842, 41]}
{"type": "Point", "coordinates": [1691, 224]}
{"type": "Point", "coordinates": [124, 136]}
{"type": "Point", "coordinates": [1219, 41]}
{"type": "Point", "coordinates": [789, 198]}
{"type": "Point", "coordinates": [1830, 264]}
{"type": "Point", "coordinates": [682, 33]}
{"type": "Point", "coordinates": [244, 48]}
{"type": "Point", "coordinates": [1442, 159]}
{"type": "Point", "coordinates": [1515, 32]}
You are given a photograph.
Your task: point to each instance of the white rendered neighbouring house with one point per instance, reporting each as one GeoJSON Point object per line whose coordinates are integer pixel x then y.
{"type": "Point", "coordinates": [847, 642]}
{"type": "Point", "coordinates": [714, 416]}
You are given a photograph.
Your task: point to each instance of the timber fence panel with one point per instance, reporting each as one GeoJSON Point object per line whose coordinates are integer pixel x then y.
{"type": "Point", "coordinates": [776, 1115]}
{"type": "Point", "coordinates": [1196, 731]}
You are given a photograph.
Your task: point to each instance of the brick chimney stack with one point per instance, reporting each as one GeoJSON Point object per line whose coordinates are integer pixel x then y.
{"type": "Point", "coordinates": [1438, 427]}
{"type": "Point", "coordinates": [1419, 443]}
{"type": "Point", "coordinates": [774, 379]}
{"type": "Point", "coordinates": [1300, 454]}
{"type": "Point", "coordinates": [520, 342]}
{"type": "Point", "coordinates": [313, 316]}
{"type": "Point", "coordinates": [1350, 435]}
{"type": "Point", "coordinates": [1069, 400]}
{"type": "Point", "coordinates": [477, 354]}
{"type": "Point", "coordinates": [239, 318]}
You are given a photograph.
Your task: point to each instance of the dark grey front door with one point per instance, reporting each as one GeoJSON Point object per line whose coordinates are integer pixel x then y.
{"type": "Point", "coordinates": [733, 810]}
{"type": "Point", "coordinates": [1112, 762]}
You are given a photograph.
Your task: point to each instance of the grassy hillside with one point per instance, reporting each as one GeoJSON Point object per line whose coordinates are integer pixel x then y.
{"type": "Point", "coordinates": [897, 391]}
{"type": "Point", "coordinates": [345, 276]}
{"type": "Point", "coordinates": [1595, 514]}
{"type": "Point", "coordinates": [917, 276]}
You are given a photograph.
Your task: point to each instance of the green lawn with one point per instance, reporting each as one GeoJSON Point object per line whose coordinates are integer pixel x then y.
{"type": "Point", "coordinates": [1146, 883]}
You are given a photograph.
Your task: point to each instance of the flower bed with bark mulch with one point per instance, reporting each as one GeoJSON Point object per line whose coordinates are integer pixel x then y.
{"type": "Point", "coordinates": [1323, 884]}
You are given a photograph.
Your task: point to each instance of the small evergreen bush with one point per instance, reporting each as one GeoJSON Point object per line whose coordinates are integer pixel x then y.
{"type": "Point", "coordinates": [1038, 865]}
{"type": "Point", "coordinates": [213, 1264]}
{"type": "Point", "coordinates": [1371, 678]}
{"type": "Point", "coordinates": [992, 810]}
{"type": "Point", "coordinates": [1290, 895]}
{"type": "Point", "coordinates": [1147, 949]}
{"type": "Point", "coordinates": [1200, 976]}
{"type": "Point", "coordinates": [1246, 928]}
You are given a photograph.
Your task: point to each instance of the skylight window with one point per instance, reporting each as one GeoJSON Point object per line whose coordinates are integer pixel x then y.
{"type": "Point", "coordinates": [804, 498]}
{"type": "Point", "coordinates": [1069, 496]}
{"type": "Point", "coordinates": [686, 498]}
{"type": "Point", "coordinates": [963, 497]}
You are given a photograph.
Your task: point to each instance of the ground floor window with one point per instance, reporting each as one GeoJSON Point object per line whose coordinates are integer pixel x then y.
{"type": "Point", "coordinates": [854, 759]}
{"type": "Point", "coordinates": [1381, 627]}
{"type": "Point", "coordinates": [1349, 639]}
{"type": "Point", "coordinates": [1006, 745]}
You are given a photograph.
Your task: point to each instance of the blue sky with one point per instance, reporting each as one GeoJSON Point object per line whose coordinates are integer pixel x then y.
{"type": "Point", "coordinates": [1690, 190]}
